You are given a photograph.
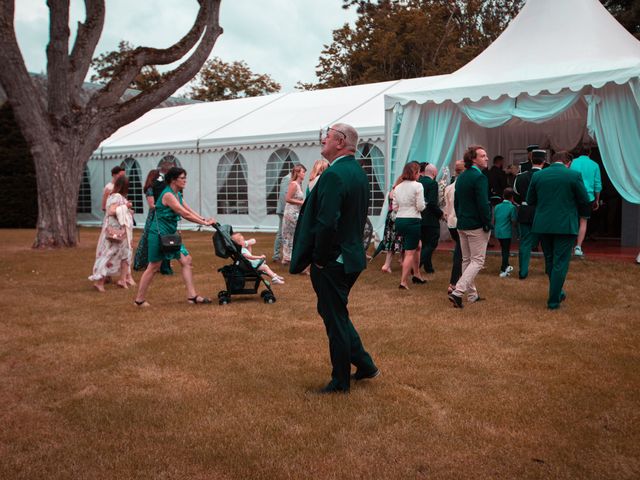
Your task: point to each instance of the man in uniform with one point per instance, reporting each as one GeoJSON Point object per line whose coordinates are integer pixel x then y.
{"type": "Point", "coordinates": [526, 213]}
{"type": "Point", "coordinates": [431, 215]}
{"type": "Point", "coordinates": [526, 166]}
{"type": "Point", "coordinates": [329, 237]}
{"type": "Point", "coordinates": [558, 194]}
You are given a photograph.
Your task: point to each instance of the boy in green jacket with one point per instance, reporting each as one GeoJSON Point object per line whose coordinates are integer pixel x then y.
{"type": "Point", "coordinates": [505, 216]}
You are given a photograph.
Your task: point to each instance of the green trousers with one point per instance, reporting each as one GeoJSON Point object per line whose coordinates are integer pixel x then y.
{"type": "Point", "coordinates": [528, 240]}
{"type": "Point", "coordinates": [332, 286]}
{"type": "Point", "coordinates": [557, 255]}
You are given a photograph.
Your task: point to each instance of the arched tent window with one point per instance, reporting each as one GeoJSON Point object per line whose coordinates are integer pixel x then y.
{"type": "Point", "coordinates": [372, 161]}
{"type": "Point", "coordinates": [233, 195]}
{"type": "Point", "coordinates": [279, 164]}
{"type": "Point", "coordinates": [171, 159]}
{"type": "Point", "coordinates": [132, 171]}
{"type": "Point", "coordinates": [84, 195]}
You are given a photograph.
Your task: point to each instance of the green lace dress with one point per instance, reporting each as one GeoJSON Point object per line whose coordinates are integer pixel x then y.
{"type": "Point", "coordinates": [166, 221]}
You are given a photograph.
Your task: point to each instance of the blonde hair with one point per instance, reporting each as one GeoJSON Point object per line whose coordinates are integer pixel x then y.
{"type": "Point", "coordinates": [318, 167]}
{"type": "Point", "coordinates": [295, 172]}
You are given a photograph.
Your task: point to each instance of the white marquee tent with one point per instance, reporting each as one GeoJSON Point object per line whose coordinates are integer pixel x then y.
{"type": "Point", "coordinates": [562, 72]}
{"type": "Point", "coordinates": [236, 151]}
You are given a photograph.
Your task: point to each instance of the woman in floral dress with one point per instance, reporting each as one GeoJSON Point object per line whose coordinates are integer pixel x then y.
{"type": "Point", "coordinates": [294, 200]}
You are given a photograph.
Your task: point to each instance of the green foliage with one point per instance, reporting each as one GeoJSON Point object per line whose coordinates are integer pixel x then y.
{"type": "Point", "coordinates": [18, 195]}
{"type": "Point", "coordinates": [218, 80]}
{"type": "Point", "coordinates": [627, 12]}
{"type": "Point", "coordinates": [395, 39]}
{"type": "Point", "coordinates": [106, 64]}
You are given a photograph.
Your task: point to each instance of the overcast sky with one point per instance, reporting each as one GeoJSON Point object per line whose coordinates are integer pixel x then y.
{"type": "Point", "coordinates": [282, 38]}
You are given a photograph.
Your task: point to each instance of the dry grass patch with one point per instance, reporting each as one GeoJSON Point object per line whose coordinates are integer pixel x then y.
{"type": "Point", "coordinates": [93, 387]}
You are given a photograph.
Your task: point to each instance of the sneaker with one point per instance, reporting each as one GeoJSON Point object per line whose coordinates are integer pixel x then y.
{"type": "Point", "coordinates": [456, 300]}
{"type": "Point", "coordinates": [504, 274]}
{"type": "Point", "coordinates": [277, 280]}
{"type": "Point", "coordinates": [509, 269]}
{"type": "Point", "coordinates": [578, 251]}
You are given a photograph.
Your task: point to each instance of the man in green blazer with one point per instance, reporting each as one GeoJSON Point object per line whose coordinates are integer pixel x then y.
{"type": "Point", "coordinates": [557, 193]}
{"type": "Point", "coordinates": [471, 201]}
{"type": "Point", "coordinates": [431, 215]}
{"type": "Point", "coordinates": [329, 238]}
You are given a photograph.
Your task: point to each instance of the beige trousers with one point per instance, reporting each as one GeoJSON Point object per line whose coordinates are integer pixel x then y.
{"type": "Point", "coordinates": [473, 244]}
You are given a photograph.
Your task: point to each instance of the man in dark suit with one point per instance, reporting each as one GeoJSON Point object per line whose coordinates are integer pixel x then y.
{"type": "Point", "coordinates": [497, 179]}
{"type": "Point", "coordinates": [558, 194]}
{"type": "Point", "coordinates": [159, 184]}
{"type": "Point", "coordinates": [431, 215]}
{"type": "Point", "coordinates": [329, 237]}
{"type": "Point", "coordinates": [526, 213]}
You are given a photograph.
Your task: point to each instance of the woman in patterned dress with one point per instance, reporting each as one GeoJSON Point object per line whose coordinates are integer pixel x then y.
{"type": "Point", "coordinates": [294, 200]}
{"type": "Point", "coordinates": [114, 257]}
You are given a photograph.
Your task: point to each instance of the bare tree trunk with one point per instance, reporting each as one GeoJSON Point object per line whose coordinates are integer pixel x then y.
{"type": "Point", "coordinates": [63, 129]}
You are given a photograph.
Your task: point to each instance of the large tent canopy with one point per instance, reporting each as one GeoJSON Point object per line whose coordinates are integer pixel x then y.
{"type": "Point", "coordinates": [562, 71]}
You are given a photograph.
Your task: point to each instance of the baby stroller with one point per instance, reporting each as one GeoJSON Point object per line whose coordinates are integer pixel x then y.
{"type": "Point", "coordinates": [240, 277]}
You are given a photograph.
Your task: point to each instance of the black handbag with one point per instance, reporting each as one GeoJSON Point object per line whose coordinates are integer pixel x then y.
{"type": "Point", "coordinates": [169, 242]}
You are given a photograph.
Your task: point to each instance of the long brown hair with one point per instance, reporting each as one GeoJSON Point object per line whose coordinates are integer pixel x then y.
{"type": "Point", "coordinates": [121, 185]}
{"type": "Point", "coordinates": [410, 171]}
{"type": "Point", "coordinates": [295, 172]}
{"type": "Point", "coordinates": [151, 177]}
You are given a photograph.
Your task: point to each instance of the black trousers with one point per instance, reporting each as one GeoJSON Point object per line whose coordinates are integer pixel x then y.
{"type": "Point", "coordinates": [456, 267]}
{"type": "Point", "coordinates": [505, 245]}
{"type": "Point", "coordinates": [332, 286]}
{"type": "Point", "coordinates": [429, 237]}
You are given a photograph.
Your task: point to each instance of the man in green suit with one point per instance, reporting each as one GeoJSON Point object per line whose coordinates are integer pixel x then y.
{"type": "Point", "coordinates": [558, 194]}
{"type": "Point", "coordinates": [329, 237]}
{"type": "Point", "coordinates": [431, 215]}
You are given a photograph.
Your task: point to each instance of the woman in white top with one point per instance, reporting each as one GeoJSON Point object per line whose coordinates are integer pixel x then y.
{"type": "Point", "coordinates": [452, 222]}
{"type": "Point", "coordinates": [408, 202]}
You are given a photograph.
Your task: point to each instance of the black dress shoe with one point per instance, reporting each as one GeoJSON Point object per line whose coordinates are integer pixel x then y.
{"type": "Point", "coordinates": [417, 280]}
{"type": "Point", "coordinates": [456, 300]}
{"type": "Point", "coordinates": [365, 375]}
{"type": "Point", "coordinates": [331, 388]}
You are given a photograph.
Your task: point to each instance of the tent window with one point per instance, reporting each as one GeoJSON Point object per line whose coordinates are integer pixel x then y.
{"type": "Point", "coordinates": [279, 164]}
{"type": "Point", "coordinates": [84, 196]}
{"type": "Point", "coordinates": [132, 171]}
{"type": "Point", "coordinates": [233, 195]}
{"type": "Point", "coordinates": [372, 161]}
{"type": "Point", "coordinates": [171, 159]}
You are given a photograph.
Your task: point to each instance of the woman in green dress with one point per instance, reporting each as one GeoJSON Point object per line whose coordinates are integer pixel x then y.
{"type": "Point", "coordinates": [169, 208]}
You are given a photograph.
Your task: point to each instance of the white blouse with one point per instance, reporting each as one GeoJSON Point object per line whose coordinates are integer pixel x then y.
{"type": "Point", "coordinates": [449, 194]}
{"type": "Point", "coordinates": [408, 199]}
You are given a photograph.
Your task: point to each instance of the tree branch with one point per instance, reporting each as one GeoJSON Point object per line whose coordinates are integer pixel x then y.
{"type": "Point", "coordinates": [85, 45]}
{"type": "Point", "coordinates": [58, 58]}
{"type": "Point", "coordinates": [131, 66]}
{"type": "Point", "coordinates": [25, 98]}
{"type": "Point", "coordinates": [140, 104]}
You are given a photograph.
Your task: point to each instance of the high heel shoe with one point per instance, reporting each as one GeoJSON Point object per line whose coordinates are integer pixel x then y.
{"type": "Point", "coordinates": [403, 287]}
{"type": "Point", "coordinates": [385, 270]}
{"type": "Point", "coordinates": [417, 280]}
{"type": "Point", "coordinates": [122, 284]}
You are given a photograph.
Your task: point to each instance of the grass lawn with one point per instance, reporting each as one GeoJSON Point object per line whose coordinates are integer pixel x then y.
{"type": "Point", "coordinates": [93, 387]}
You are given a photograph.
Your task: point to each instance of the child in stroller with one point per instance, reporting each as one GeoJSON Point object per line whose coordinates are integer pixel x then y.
{"type": "Point", "coordinates": [256, 261]}
{"type": "Point", "coordinates": [243, 276]}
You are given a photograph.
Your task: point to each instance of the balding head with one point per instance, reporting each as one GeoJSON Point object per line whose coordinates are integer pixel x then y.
{"type": "Point", "coordinates": [341, 139]}
{"type": "Point", "coordinates": [350, 133]}
{"type": "Point", "coordinates": [430, 171]}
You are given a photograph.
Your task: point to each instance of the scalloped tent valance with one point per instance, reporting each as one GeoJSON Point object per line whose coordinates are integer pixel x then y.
{"type": "Point", "coordinates": [552, 45]}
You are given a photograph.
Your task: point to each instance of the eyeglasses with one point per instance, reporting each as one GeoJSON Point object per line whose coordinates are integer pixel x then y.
{"type": "Point", "coordinates": [324, 133]}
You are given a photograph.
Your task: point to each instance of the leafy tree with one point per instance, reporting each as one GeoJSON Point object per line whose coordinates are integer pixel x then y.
{"type": "Point", "coordinates": [220, 80]}
{"type": "Point", "coordinates": [627, 12]}
{"type": "Point", "coordinates": [395, 39]}
{"type": "Point", "coordinates": [107, 63]}
{"type": "Point", "coordinates": [62, 124]}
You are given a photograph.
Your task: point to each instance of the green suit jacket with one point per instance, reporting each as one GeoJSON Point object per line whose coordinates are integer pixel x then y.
{"type": "Point", "coordinates": [332, 219]}
{"type": "Point", "coordinates": [471, 200]}
{"type": "Point", "coordinates": [557, 193]}
{"type": "Point", "coordinates": [432, 214]}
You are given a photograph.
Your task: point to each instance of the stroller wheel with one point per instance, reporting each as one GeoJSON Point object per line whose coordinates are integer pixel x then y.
{"type": "Point", "coordinates": [269, 298]}
{"type": "Point", "coordinates": [223, 293]}
{"type": "Point", "coordinates": [264, 293]}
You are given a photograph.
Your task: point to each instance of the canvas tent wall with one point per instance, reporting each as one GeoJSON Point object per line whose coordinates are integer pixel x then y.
{"type": "Point", "coordinates": [236, 151]}
{"type": "Point", "coordinates": [562, 71]}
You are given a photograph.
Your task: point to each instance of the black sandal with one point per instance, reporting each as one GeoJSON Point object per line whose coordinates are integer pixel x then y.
{"type": "Point", "coordinates": [141, 304]}
{"type": "Point", "coordinates": [198, 300]}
